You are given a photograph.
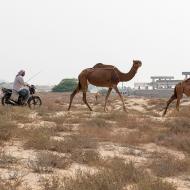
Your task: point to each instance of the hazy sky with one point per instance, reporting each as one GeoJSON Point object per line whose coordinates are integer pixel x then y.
{"type": "Point", "coordinates": [62, 37]}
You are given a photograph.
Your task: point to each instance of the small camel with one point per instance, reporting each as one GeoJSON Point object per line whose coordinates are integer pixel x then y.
{"type": "Point", "coordinates": [97, 95]}
{"type": "Point", "coordinates": [103, 76]}
{"type": "Point", "coordinates": [180, 89]}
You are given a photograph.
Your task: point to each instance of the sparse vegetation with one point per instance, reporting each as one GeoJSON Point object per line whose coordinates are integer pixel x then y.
{"type": "Point", "coordinates": [46, 161]}
{"type": "Point", "coordinates": [90, 157]}
{"type": "Point", "coordinates": [114, 176]}
{"type": "Point", "coordinates": [13, 182]}
{"type": "Point", "coordinates": [166, 165]}
{"type": "Point", "coordinates": [177, 134]}
{"type": "Point", "coordinates": [39, 138]}
{"type": "Point", "coordinates": [6, 159]}
{"type": "Point", "coordinates": [7, 128]}
{"type": "Point", "coordinates": [49, 140]}
{"type": "Point", "coordinates": [153, 184]}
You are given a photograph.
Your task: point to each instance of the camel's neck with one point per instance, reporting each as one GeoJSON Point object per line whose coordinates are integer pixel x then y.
{"type": "Point", "coordinates": [124, 77]}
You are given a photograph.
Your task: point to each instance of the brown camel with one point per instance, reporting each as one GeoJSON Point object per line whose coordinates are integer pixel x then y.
{"type": "Point", "coordinates": [180, 89]}
{"type": "Point", "coordinates": [106, 76]}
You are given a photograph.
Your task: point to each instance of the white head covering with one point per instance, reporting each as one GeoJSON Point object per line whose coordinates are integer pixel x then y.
{"type": "Point", "coordinates": [21, 72]}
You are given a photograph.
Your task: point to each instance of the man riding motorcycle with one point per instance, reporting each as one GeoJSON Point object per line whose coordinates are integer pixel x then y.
{"type": "Point", "coordinates": [20, 86]}
{"type": "Point", "coordinates": [20, 95]}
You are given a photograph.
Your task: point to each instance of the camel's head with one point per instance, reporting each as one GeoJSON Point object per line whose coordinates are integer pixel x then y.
{"type": "Point", "coordinates": [137, 64]}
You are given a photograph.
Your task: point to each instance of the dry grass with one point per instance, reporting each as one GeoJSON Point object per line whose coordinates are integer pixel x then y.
{"type": "Point", "coordinates": [38, 138]}
{"type": "Point", "coordinates": [146, 131]}
{"type": "Point", "coordinates": [149, 183]}
{"type": "Point", "coordinates": [73, 143]}
{"type": "Point", "coordinates": [21, 115]}
{"type": "Point", "coordinates": [183, 113]}
{"type": "Point", "coordinates": [61, 142]}
{"type": "Point", "coordinates": [53, 102]}
{"type": "Point", "coordinates": [44, 139]}
{"type": "Point", "coordinates": [46, 161]}
{"type": "Point", "coordinates": [115, 116]}
{"type": "Point", "coordinates": [6, 159]}
{"type": "Point", "coordinates": [14, 182]}
{"type": "Point", "coordinates": [114, 176]}
{"type": "Point", "coordinates": [103, 179]}
{"type": "Point", "coordinates": [179, 142]}
{"type": "Point", "coordinates": [156, 104]}
{"type": "Point", "coordinates": [56, 119]}
{"type": "Point", "coordinates": [7, 128]}
{"type": "Point", "coordinates": [124, 171]}
{"type": "Point", "coordinates": [89, 157]}
{"type": "Point", "coordinates": [96, 128]}
{"type": "Point", "coordinates": [51, 183]}
{"type": "Point", "coordinates": [61, 122]}
{"type": "Point", "coordinates": [177, 134]}
{"type": "Point", "coordinates": [166, 165]}
{"type": "Point", "coordinates": [18, 114]}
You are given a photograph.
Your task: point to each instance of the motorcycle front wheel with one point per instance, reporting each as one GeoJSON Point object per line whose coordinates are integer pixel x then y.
{"type": "Point", "coordinates": [34, 102]}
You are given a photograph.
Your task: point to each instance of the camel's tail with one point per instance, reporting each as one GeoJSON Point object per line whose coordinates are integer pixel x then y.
{"type": "Point", "coordinates": [175, 91]}
{"type": "Point", "coordinates": [79, 85]}
{"type": "Point", "coordinates": [78, 88]}
{"type": "Point", "coordinates": [173, 97]}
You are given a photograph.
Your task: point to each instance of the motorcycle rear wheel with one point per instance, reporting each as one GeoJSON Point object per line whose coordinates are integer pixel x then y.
{"type": "Point", "coordinates": [4, 101]}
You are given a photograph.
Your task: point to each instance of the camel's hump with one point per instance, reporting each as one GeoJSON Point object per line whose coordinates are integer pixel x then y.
{"type": "Point", "coordinates": [101, 65]}
{"type": "Point", "coordinates": [98, 65]}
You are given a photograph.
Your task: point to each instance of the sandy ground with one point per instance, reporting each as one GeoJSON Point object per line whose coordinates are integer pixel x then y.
{"type": "Point", "coordinates": [138, 154]}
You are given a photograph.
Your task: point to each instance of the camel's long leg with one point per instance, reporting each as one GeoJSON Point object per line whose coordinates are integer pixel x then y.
{"type": "Point", "coordinates": [85, 101]}
{"type": "Point", "coordinates": [172, 98]}
{"type": "Point", "coordinates": [73, 95]}
{"type": "Point", "coordinates": [107, 96]}
{"type": "Point", "coordinates": [116, 89]}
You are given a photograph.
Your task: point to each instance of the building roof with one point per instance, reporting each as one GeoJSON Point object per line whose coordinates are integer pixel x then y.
{"type": "Point", "coordinates": [162, 77]}
{"type": "Point", "coordinates": [185, 73]}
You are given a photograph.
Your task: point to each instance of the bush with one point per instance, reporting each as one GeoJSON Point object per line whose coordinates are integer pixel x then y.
{"type": "Point", "coordinates": [66, 85]}
{"type": "Point", "coordinates": [46, 161]}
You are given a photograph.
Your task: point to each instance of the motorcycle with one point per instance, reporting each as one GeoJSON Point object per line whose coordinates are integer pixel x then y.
{"type": "Point", "coordinates": [33, 101]}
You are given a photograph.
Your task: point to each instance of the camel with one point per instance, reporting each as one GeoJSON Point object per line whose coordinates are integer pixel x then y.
{"type": "Point", "coordinates": [97, 94]}
{"type": "Point", "coordinates": [180, 89]}
{"type": "Point", "coordinates": [101, 65]}
{"type": "Point", "coordinates": [106, 76]}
